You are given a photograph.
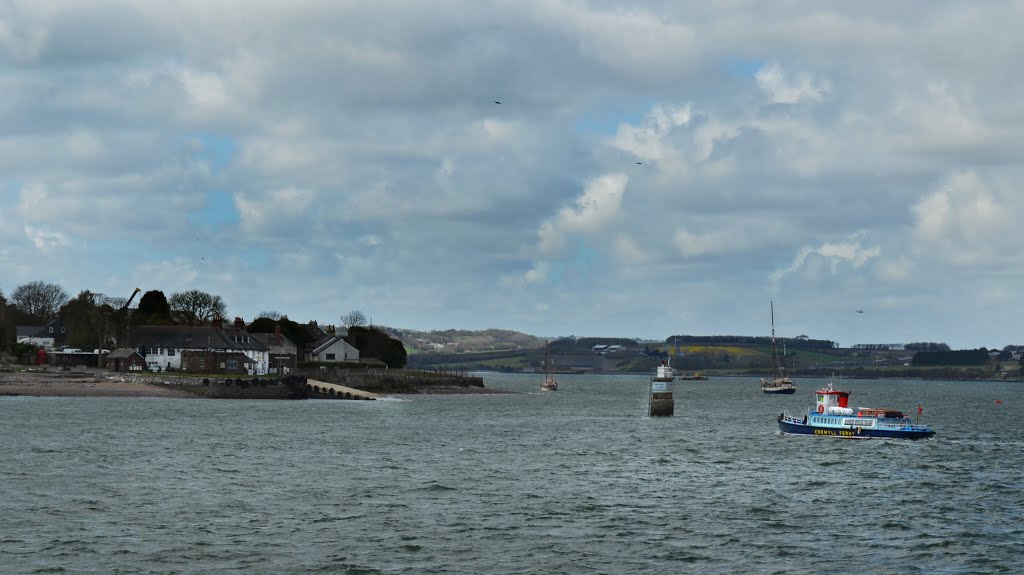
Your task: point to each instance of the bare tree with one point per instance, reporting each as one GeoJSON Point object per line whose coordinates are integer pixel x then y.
{"type": "Point", "coordinates": [195, 307]}
{"type": "Point", "coordinates": [40, 300]}
{"type": "Point", "coordinates": [271, 314]}
{"type": "Point", "coordinates": [354, 318]}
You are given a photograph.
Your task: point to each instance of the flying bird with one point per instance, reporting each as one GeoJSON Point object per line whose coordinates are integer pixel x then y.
{"type": "Point", "coordinates": [638, 163]}
{"type": "Point", "coordinates": [860, 311]}
{"type": "Point", "coordinates": [497, 102]}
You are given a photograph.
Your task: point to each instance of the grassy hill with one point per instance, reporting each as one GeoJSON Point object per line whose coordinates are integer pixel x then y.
{"type": "Point", "coordinates": [505, 350]}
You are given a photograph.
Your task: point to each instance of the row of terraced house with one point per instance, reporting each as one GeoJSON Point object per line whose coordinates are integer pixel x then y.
{"type": "Point", "coordinates": [216, 348]}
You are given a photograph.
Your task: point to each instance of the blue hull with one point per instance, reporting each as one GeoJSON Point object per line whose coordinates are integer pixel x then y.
{"type": "Point", "coordinates": [801, 429]}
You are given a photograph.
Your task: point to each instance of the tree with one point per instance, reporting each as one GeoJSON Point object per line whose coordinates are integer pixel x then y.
{"type": "Point", "coordinates": [195, 307]}
{"type": "Point", "coordinates": [39, 300]}
{"type": "Point", "coordinates": [3, 321]}
{"type": "Point", "coordinates": [270, 314]}
{"type": "Point", "coordinates": [153, 309]}
{"type": "Point", "coordinates": [354, 318]}
{"type": "Point", "coordinates": [84, 320]}
{"type": "Point", "coordinates": [374, 343]}
{"type": "Point", "coordinates": [295, 333]}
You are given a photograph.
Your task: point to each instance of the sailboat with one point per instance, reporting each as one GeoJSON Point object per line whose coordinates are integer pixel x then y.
{"type": "Point", "coordinates": [778, 382]}
{"type": "Point", "coordinates": [549, 383]}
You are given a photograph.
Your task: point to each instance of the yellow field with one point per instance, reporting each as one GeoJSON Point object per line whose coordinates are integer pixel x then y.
{"type": "Point", "coordinates": [730, 349]}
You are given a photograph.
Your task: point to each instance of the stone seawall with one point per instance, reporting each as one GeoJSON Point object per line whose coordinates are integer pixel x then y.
{"type": "Point", "coordinates": [386, 381]}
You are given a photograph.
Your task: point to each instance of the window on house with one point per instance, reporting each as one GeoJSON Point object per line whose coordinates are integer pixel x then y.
{"type": "Point", "coordinates": [170, 351]}
{"type": "Point", "coordinates": [202, 363]}
{"type": "Point", "coordinates": [51, 330]}
{"type": "Point", "coordinates": [62, 330]}
{"type": "Point", "coordinates": [330, 357]}
{"type": "Point", "coordinates": [232, 364]}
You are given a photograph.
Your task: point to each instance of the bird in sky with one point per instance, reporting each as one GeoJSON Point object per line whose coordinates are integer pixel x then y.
{"type": "Point", "coordinates": [638, 163]}
{"type": "Point", "coordinates": [860, 311]}
{"type": "Point", "coordinates": [497, 102]}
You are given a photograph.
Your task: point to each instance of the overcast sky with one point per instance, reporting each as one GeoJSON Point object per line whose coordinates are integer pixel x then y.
{"type": "Point", "coordinates": [653, 168]}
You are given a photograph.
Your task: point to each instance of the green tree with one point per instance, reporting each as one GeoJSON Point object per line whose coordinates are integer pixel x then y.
{"type": "Point", "coordinates": [374, 343]}
{"type": "Point", "coordinates": [153, 310]}
{"type": "Point", "coordinates": [295, 332]}
{"type": "Point", "coordinates": [84, 320]}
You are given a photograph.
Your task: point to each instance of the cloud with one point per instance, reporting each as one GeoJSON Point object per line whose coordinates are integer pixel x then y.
{"type": "Point", "coordinates": [964, 221]}
{"type": "Point", "coordinates": [864, 151]}
{"type": "Point", "coordinates": [595, 208]}
{"type": "Point", "coordinates": [850, 252]}
{"type": "Point", "coordinates": [772, 80]}
{"type": "Point", "coordinates": [648, 141]}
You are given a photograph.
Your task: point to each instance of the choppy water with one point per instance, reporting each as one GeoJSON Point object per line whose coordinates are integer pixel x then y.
{"type": "Point", "coordinates": [576, 481]}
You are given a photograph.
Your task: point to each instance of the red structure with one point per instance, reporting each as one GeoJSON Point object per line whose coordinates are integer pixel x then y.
{"type": "Point", "coordinates": [41, 357]}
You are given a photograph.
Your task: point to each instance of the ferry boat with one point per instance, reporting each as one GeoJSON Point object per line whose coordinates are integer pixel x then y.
{"type": "Point", "coordinates": [832, 416]}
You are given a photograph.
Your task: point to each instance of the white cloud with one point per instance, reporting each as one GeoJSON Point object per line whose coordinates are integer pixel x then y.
{"type": "Point", "coordinates": [648, 141]}
{"type": "Point", "coordinates": [595, 208]}
{"type": "Point", "coordinates": [46, 240]}
{"type": "Point", "coordinates": [833, 254]}
{"type": "Point", "coordinates": [964, 221]}
{"type": "Point", "coordinates": [772, 80]}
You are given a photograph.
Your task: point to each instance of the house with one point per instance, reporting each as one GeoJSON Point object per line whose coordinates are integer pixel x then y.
{"type": "Point", "coordinates": [162, 346]}
{"type": "Point", "coordinates": [332, 348]}
{"type": "Point", "coordinates": [217, 361]}
{"type": "Point", "coordinates": [125, 359]}
{"type": "Point", "coordinates": [283, 355]}
{"type": "Point", "coordinates": [328, 345]}
{"type": "Point", "coordinates": [49, 336]}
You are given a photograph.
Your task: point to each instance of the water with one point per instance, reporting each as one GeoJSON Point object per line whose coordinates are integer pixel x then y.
{"type": "Point", "coordinates": [575, 481]}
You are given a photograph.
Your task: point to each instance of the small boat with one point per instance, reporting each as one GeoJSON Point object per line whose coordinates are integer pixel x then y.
{"type": "Point", "coordinates": [695, 376]}
{"type": "Point", "coordinates": [778, 382]}
{"type": "Point", "coordinates": [549, 383]}
{"type": "Point", "coordinates": [833, 417]}
{"type": "Point", "coordinates": [664, 374]}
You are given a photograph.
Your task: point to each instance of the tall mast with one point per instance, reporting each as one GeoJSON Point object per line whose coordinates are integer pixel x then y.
{"type": "Point", "coordinates": [775, 357]}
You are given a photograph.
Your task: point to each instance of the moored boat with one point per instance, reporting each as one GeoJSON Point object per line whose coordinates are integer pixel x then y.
{"type": "Point", "coordinates": [778, 382]}
{"type": "Point", "coordinates": [832, 416]}
{"type": "Point", "coordinates": [549, 383]}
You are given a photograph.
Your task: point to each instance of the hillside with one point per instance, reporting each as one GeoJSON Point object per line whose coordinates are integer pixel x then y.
{"type": "Point", "coordinates": [505, 350]}
{"type": "Point", "coordinates": [465, 341]}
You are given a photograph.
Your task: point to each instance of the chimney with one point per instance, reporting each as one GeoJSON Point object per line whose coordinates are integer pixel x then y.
{"type": "Point", "coordinates": [277, 332]}
{"type": "Point", "coordinates": [239, 323]}
{"type": "Point", "coordinates": [218, 322]}
{"type": "Point", "coordinates": [329, 329]}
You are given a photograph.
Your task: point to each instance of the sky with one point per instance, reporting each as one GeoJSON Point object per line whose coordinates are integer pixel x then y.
{"type": "Point", "coordinates": [653, 168]}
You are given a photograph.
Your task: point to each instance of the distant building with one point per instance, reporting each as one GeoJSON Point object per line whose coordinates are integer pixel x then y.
{"type": "Point", "coordinates": [162, 346]}
{"type": "Point", "coordinates": [49, 336]}
{"type": "Point", "coordinates": [125, 359]}
{"type": "Point", "coordinates": [282, 355]}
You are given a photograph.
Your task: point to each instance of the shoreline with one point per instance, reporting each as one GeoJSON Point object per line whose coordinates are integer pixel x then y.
{"type": "Point", "coordinates": [39, 383]}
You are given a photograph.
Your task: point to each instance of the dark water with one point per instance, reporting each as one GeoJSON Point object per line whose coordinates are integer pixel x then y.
{"type": "Point", "coordinates": [576, 481]}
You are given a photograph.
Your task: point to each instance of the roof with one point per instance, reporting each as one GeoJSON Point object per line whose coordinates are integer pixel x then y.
{"type": "Point", "coordinates": [190, 337]}
{"type": "Point", "coordinates": [122, 353]}
{"type": "Point", "coordinates": [326, 342]}
{"type": "Point", "coordinates": [285, 345]}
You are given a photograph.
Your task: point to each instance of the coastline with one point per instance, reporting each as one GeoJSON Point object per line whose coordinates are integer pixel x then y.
{"type": "Point", "coordinates": [80, 384]}
{"type": "Point", "coordinates": [45, 383]}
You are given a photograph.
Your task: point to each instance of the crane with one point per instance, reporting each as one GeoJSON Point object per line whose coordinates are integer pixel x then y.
{"type": "Point", "coordinates": [129, 302]}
